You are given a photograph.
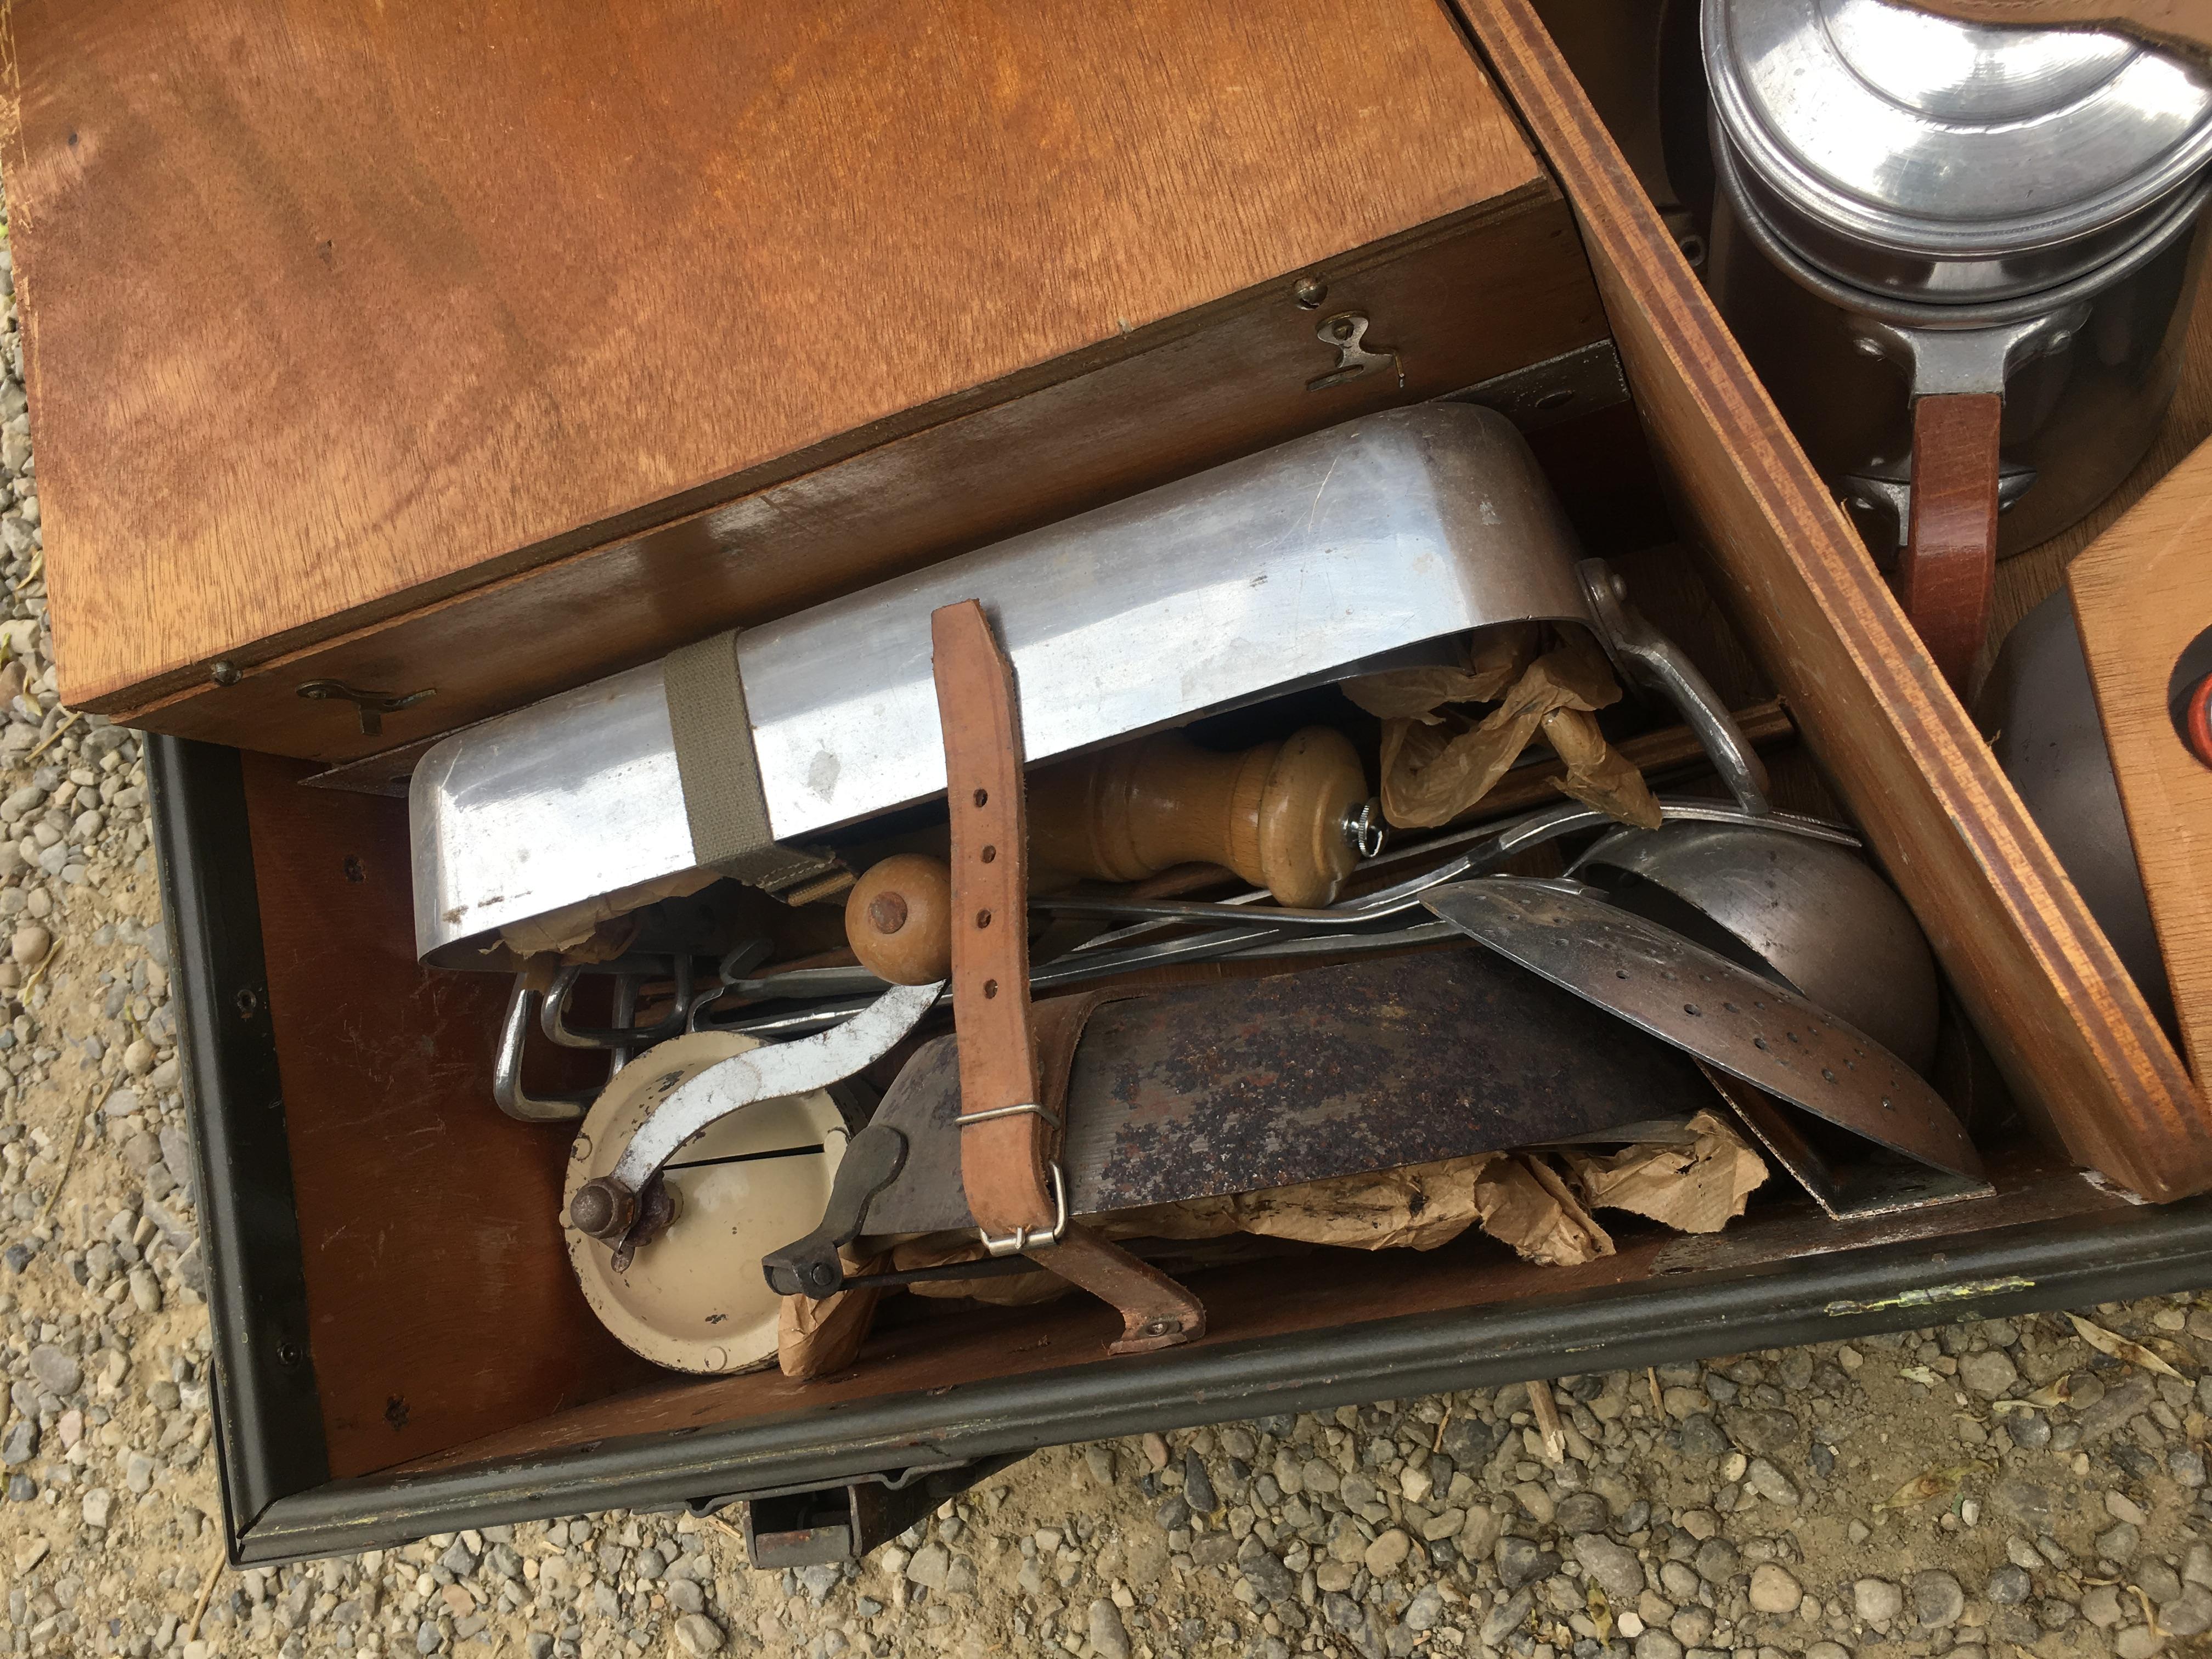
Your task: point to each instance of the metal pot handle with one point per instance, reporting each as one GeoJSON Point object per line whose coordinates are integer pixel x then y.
{"type": "Point", "coordinates": [1947, 569]}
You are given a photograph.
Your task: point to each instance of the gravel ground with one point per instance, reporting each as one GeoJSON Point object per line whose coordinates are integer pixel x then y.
{"type": "Point", "coordinates": [1972, 1490]}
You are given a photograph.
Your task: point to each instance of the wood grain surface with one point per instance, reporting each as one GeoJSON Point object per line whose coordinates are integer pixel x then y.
{"type": "Point", "coordinates": [1946, 573]}
{"type": "Point", "coordinates": [429, 1224]}
{"type": "Point", "coordinates": [2042, 984]}
{"type": "Point", "coordinates": [2142, 595]}
{"type": "Point", "coordinates": [336, 311]}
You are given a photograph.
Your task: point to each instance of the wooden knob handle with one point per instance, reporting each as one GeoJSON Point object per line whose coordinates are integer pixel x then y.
{"type": "Point", "coordinates": [1274, 814]}
{"type": "Point", "coordinates": [898, 919]}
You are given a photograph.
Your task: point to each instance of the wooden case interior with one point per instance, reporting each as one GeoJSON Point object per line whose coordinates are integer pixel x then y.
{"type": "Point", "coordinates": [446, 1328]}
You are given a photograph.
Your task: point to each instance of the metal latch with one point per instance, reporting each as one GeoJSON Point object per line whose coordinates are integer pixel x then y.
{"type": "Point", "coordinates": [1347, 332]}
{"type": "Point", "coordinates": [372, 706]}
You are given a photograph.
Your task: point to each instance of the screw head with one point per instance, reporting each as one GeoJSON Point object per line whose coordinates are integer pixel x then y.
{"type": "Point", "coordinates": [602, 1208]}
{"type": "Point", "coordinates": [1309, 292]}
{"type": "Point", "coordinates": [224, 672]}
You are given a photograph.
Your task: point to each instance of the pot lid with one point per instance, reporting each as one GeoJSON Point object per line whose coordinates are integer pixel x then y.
{"type": "Point", "coordinates": [1929, 136]}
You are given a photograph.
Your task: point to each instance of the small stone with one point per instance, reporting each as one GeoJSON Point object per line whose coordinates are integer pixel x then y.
{"type": "Point", "coordinates": [1770, 1483]}
{"type": "Point", "coordinates": [1612, 1565]}
{"type": "Point", "coordinates": [30, 944]}
{"type": "Point", "coordinates": [1702, 1439]}
{"type": "Point", "coordinates": [1580, 1512]}
{"type": "Point", "coordinates": [2189, 1614]}
{"type": "Point", "coordinates": [1519, 1561]}
{"type": "Point", "coordinates": [1415, 1483]}
{"type": "Point", "coordinates": [1937, 1599]}
{"type": "Point", "coordinates": [1388, 1552]}
{"type": "Point", "coordinates": [145, 1291]}
{"type": "Point", "coordinates": [1657, 1644]}
{"type": "Point", "coordinates": [139, 1057]}
{"type": "Point", "coordinates": [1425, 1611]}
{"type": "Point", "coordinates": [1877, 1600]}
{"type": "Point", "coordinates": [2118, 1542]}
{"type": "Point", "coordinates": [2136, 1642]}
{"type": "Point", "coordinates": [1990, 1374]}
{"type": "Point", "coordinates": [99, 1504]}
{"type": "Point", "coordinates": [699, 1634]}
{"type": "Point", "coordinates": [2121, 1507]}
{"type": "Point", "coordinates": [2120, 1405]}
{"type": "Point", "coordinates": [57, 1373]}
{"type": "Point", "coordinates": [426, 1637]}
{"type": "Point", "coordinates": [138, 1472]}
{"type": "Point", "coordinates": [2101, 1605]}
{"type": "Point", "coordinates": [1156, 1450]}
{"type": "Point", "coordinates": [1107, 1639]}
{"type": "Point", "coordinates": [1099, 1457]}
{"type": "Point", "coordinates": [2008, 1586]}
{"type": "Point", "coordinates": [2196, 1566]}
{"type": "Point", "coordinates": [1197, 1485]}
{"type": "Point", "coordinates": [1717, 1561]}
{"type": "Point", "coordinates": [20, 1444]}
{"type": "Point", "coordinates": [930, 1565]}
{"type": "Point", "coordinates": [1773, 1591]}
{"type": "Point", "coordinates": [1479, 1535]}
{"type": "Point", "coordinates": [30, 1550]}
{"type": "Point", "coordinates": [1506, 1618]}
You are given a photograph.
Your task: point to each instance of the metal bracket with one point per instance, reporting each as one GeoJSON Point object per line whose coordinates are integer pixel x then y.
{"type": "Point", "coordinates": [810, 1266]}
{"type": "Point", "coordinates": [811, 1526]}
{"type": "Point", "coordinates": [1888, 501]}
{"type": "Point", "coordinates": [371, 706]}
{"type": "Point", "coordinates": [1562, 388]}
{"type": "Point", "coordinates": [1346, 333]}
{"type": "Point", "coordinates": [1655, 663]}
{"type": "Point", "coordinates": [1944, 361]}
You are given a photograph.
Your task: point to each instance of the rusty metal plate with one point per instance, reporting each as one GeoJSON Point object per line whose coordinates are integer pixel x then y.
{"type": "Point", "coordinates": [1706, 1006]}
{"type": "Point", "coordinates": [1256, 1083]}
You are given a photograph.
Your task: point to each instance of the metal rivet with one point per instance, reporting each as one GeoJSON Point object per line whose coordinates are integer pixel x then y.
{"type": "Point", "coordinates": [1310, 292]}
{"type": "Point", "coordinates": [224, 672]}
{"type": "Point", "coordinates": [887, 913]}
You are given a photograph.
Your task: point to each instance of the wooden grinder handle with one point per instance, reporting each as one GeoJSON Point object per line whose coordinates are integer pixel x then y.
{"type": "Point", "coordinates": [1949, 567]}
{"type": "Point", "coordinates": [1274, 814]}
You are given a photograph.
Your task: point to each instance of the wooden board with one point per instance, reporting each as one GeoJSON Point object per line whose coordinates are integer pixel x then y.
{"type": "Point", "coordinates": [429, 1224]}
{"type": "Point", "coordinates": [2142, 595]}
{"type": "Point", "coordinates": [948, 1346]}
{"type": "Point", "coordinates": [2071, 1034]}
{"type": "Point", "coordinates": [336, 312]}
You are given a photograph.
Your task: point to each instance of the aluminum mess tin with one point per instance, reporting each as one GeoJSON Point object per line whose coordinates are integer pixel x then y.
{"type": "Point", "coordinates": [1341, 553]}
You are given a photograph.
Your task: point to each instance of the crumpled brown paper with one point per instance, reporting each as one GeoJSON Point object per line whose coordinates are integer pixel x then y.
{"type": "Point", "coordinates": [813, 1339]}
{"type": "Point", "coordinates": [1514, 1198]}
{"type": "Point", "coordinates": [1697, 1188]}
{"type": "Point", "coordinates": [1436, 766]}
{"type": "Point", "coordinates": [600, 929]}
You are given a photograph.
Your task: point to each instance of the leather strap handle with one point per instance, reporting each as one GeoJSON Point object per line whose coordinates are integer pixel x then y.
{"type": "Point", "coordinates": [1005, 1161]}
{"type": "Point", "coordinates": [1010, 1131]}
{"type": "Point", "coordinates": [1949, 568]}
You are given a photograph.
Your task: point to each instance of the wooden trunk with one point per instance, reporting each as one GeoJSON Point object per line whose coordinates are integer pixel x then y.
{"type": "Point", "coordinates": [356, 353]}
{"type": "Point", "coordinates": [514, 1402]}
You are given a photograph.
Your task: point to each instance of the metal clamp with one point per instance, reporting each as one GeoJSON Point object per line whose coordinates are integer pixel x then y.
{"type": "Point", "coordinates": [1022, 1240]}
{"type": "Point", "coordinates": [1027, 1109]}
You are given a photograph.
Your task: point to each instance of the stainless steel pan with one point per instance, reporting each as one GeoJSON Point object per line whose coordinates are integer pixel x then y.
{"type": "Point", "coordinates": [1373, 544]}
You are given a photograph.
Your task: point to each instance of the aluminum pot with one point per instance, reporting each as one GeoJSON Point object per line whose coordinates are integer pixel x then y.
{"type": "Point", "coordinates": [1956, 252]}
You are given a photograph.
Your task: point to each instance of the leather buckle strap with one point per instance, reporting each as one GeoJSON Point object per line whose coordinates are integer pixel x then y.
{"type": "Point", "coordinates": [1005, 1153]}
{"type": "Point", "coordinates": [1016, 1190]}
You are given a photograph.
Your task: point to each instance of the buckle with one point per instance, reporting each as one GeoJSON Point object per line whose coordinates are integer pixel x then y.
{"type": "Point", "coordinates": [1022, 1239]}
